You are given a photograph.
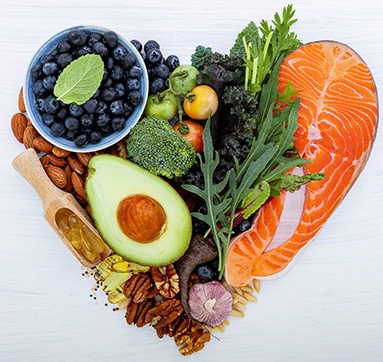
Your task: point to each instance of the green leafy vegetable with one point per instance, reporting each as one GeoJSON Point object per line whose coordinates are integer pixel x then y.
{"type": "Point", "coordinates": [266, 161]}
{"type": "Point", "coordinates": [292, 183]}
{"type": "Point", "coordinates": [80, 79]}
{"type": "Point", "coordinates": [262, 47]}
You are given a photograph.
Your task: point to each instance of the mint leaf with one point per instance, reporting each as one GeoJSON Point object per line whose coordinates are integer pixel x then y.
{"type": "Point", "coordinates": [80, 79]}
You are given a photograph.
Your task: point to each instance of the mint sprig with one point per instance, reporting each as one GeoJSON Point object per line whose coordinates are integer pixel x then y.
{"type": "Point", "coordinates": [80, 79]}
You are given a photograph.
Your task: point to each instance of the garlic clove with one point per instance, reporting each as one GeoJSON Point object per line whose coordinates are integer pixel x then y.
{"type": "Point", "coordinates": [210, 303]}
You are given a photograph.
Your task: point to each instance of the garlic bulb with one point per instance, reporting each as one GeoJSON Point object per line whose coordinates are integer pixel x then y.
{"type": "Point", "coordinates": [210, 303]}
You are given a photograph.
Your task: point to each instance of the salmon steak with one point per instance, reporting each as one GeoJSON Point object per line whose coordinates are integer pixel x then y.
{"type": "Point", "coordinates": [337, 124]}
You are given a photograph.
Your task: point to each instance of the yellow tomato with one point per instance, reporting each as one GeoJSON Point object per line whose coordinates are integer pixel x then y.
{"type": "Point", "coordinates": [205, 101]}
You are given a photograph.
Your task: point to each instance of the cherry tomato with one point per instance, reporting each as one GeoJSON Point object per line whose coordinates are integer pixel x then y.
{"type": "Point", "coordinates": [206, 100]}
{"type": "Point", "coordinates": [194, 136]}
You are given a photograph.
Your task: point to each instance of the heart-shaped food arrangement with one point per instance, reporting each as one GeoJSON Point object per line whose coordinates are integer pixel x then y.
{"type": "Point", "coordinates": [175, 219]}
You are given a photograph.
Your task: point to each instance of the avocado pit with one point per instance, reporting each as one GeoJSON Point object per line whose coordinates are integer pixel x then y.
{"type": "Point", "coordinates": [141, 218]}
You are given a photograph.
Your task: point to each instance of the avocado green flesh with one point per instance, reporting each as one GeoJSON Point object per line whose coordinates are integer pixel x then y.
{"type": "Point", "coordinates": [111, 179]}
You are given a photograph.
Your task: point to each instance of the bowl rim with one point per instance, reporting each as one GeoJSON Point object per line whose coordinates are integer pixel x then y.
{"type": "Point", "coordinates": [107, 141]}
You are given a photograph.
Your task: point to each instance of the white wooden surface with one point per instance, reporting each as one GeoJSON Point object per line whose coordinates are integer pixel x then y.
{"type": "Point", "coordinates": [328, 308]}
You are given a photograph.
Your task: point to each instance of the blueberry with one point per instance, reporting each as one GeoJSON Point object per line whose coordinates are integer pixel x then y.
{"type": "Point", "coordinates": [94, 38]}
{"type": "Point", "coordinates": [111, 38]}
{"type": "Point", "coordinates": [103, 119]}
{"type": "Point", "coordinates": [128, 110]}
{"type": "Point", "coordinates": [49, 82]}
{"type": "Point", "coordinates": [38, 88]}
{"type": "Point", "coordinates": [133, 84]}
{"type": "Point", "coordinates": [95, 137]}
{"type": "Point", "coordinates": [84, 50]}
{"type": "Point", "coordinates": [63, 47]}
{"type": "Point", "coordinates": [75, 110]}
{"type": "Point", "coordinates": [71, 135]}
{"type": "Point", "coordinates": [205, 273]}
{"type": "Point", "coordinates": [153, 56]}
{"type": "Point", "coordinates": [71, 123]}
{"type": "Point", "coordinates": [86, 120]}
{"type": "Point", "coordinates": [51, 105]}
{"type": "Point", "coordinates": [81, 140]}
{"type": "Point", "coordinates": [143, 55]}
{"type": "Point", "coordinates": [243, 226]}
{"type": "Point", "coordinates": [118, 123]}
{"type": "Point", "coordinates": [36, 71]}
{"type": "Point", "coordinates": [90, 106]}
{"type": "Point", "coordinates": [135, 97]}
{"type": "Point", "coordinates": [57, 129]}
{"type": "Point", "coordinates": [116, 108]}
{"type": "Point", "coordinates": [108, 82]}
{"type": "Point", "coordinates": [172, 61]}
{"type": "Point", "coordinates": [101, 107]}
{"type": "Point", "coordinates": [40, 103]}
{"type": "Point", "coordinates": [48, 119]}
{"type": "Point", "coordinates": [151, 44]}
{"type": "Point", "coordinates": [117, 73]}
{"type": "Point", "coordinates": [128, 60]}
{"type": "Point", "coordinates": [106, 130]}
{"type": "Point", "coordinates": [61, 115]}
{"type": "Point", "coordinates": [100, 49]}
{"type": "Point", "coordinates": [161, 71]}
{"type": "Point", "coordinates": [108, 94]}
{"type": "Point", "coordinates": [119, 52]}
{"type": "Point", "coordinates": [50, 68]}
{"type": "Point", "coordinates": [47, 58]}
{"type": "Point", "coordinates": [77, 37]}
{"type": "Point", "coordinates": [120, 90]}
{"type": "Point", "coordinates": [157, 85]}
{"type": "Point", "coordinates": [137, 44]}
{"type": "Point", "coordinates": [135, 72]}
{"type": "Point", "coordinates": [64, 59]}
{"type": "Point", "coordinates": [110, 63]}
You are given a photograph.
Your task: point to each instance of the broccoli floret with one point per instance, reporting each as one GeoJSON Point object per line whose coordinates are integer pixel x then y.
{"type": "Point", "coordinates": [200, 53]}
{"type": "Point", "coordinates": [154, 145]}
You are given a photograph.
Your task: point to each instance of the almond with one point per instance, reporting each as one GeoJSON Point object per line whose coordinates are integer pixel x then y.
{"type": "Point", "coordinates": [44, 160]}
{"type": "Point", "coordinates": [85, 157]}
{"type": "Point", "coordinates": [57, 175]}
{"type": "Point", "coordinates": [68, 173]}
{"type": "Point", "coordinates": [20, 101]}
{"type": "Point", "coordinates": [78, 185]}
{"type": "Point", "coordinates": [29, 136]}
{"type": "Point", "coordinates": [18, 125]}
{"type": "Point", "coordinates": [42, 145]}
{"type": "Point", "coordinates": [57, 161]}
{"type": "Point", "coordinates": [76, 165]}
{"type": "Point", "coordinates": [59, 152]}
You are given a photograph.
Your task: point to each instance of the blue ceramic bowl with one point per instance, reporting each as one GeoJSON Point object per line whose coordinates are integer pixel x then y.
{"type": "Point", "coordinates": [62, 142]}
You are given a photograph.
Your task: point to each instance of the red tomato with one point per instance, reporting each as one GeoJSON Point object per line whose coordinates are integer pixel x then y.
{"type": "Point", "coordinates": [194, 136]}
{"type": "Point", "coordinates": [206, 100]}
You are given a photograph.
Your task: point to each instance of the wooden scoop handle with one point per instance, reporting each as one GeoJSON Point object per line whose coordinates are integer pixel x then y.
{"type": "Point", "coordinates": [28, 165]}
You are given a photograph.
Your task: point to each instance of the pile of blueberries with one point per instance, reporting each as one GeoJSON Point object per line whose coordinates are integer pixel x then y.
{"type": "Point", "coordinates": [109, 108]}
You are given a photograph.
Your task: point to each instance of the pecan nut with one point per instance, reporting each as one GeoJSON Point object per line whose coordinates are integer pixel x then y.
{"type": "Point", "coordinates": [138, 287]}
{"type": "Point", "coordinates": [166, 281]}
{"type": "Point", "coordinates": [136, 312]}
{"type": "Point", "coordinates": [165, 312]}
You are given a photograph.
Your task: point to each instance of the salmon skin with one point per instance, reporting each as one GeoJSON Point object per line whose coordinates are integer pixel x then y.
{"type": "Point", "coordinates": [337, 119]}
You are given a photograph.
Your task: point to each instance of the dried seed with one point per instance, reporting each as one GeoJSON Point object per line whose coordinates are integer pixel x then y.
{"type": "Point", "coordinates": [59, 152]}
{"type": "Point", "coordinates": [237, 313]}
{"type": "Point", "coordinates": [29, 135]}
{"type": "Point", "coordinates": [238, 290]}
{"type": "Point", "coordinates": [247, 289]}
{"type": "Point", "coordinates": [84, 158]}
{"type": "Point", "coordinates": [42, 145]}
{"type": "Point", "coordinates": [57, 175]}
{"type": "Point", "coordinates": [18, 125]}
{"type": "Point", "coordinates": [56, 161]}
{"type": "Point", "coordinates": [257, 285]}
{"type": "Point", "coordinates": [20, 101]}
{"type": "Point", "coordinates": [75, 164]}
{"type": "Point", "coordinates": [239, 298]}
{"type": "Point", "coordinates": [250, 297]}
{"type": "Point", "coordinates": [240, 306]}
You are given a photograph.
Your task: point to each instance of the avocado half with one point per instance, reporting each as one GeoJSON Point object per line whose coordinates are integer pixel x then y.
{"type": "Point", "coordinates": [139, 215]}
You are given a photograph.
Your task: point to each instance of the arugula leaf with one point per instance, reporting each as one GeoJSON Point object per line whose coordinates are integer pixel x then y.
{"type": "Point", "coordinates": [292, 183]}
{"type": "Point", "coordinates": [80, 79]}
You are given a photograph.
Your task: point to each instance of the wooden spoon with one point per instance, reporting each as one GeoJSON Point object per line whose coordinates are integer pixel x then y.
{"type": "Point", "coordinates": [62, 211]}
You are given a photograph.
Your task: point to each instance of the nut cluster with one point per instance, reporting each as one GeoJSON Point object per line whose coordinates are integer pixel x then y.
{"type": "Point", "coordinates": [155, 301]}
